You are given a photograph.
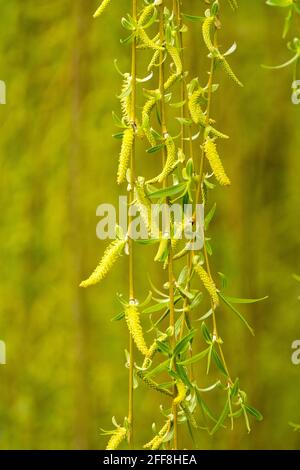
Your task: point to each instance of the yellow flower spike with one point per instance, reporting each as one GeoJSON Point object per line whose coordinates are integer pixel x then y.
{"type": "Point", "coordinates": [157, 441]}
{"type": "Point", "coordinates": [143, 204]}
{"type": "Point", "coordinates": [146, 14]}
{"type": "Point", "coordinates": [229, 70]}
{"type": "Point", "coordinates": [109, 258]}
{"type": "Point", "coordinates": [132, 317]}
{"type": "Point", "coordinates": [208, 284]}
{"type": "Point", "coordinates": [154, 60]}
{"type": "Point", "coordinates": [206, 30]}
{"type": "Point", "coordinates": [101, 9]}
{"type": "Point", "coordinates": [173, 51]}
{"type": "Point", "coordinates": [170, 82]}
{"type": "Point", "coordinates": [212, 155]}
{"type": "Point", "coordinates": [146, 41]}
{"type": "Point", "coordinates": [126, 148]}
{"type": "Point", "coordinates": [153, 385]}
{"type": "Point", "coordinates": [146, 112]}
{"type": "Point", "coordinates": [170, 161]}
{"type": "Point", "coordinates": [195, 109]}
{"type": "Point", "coordinates": [126, 98]}
{"type": "Point", "coordinates": [181, 393]}
{"type": "Point", "coordinates": [116, 439]}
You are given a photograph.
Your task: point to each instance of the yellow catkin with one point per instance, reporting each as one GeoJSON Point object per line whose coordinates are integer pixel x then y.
{"type": "Point", "coordinates": [146, 113]}
{"type": "Point", "coordinates": [206, 30]}
{"type": "Point", "coordinates": [208, 284]}
{"type": "Point", "coordinates": [217, 133]}
{"type": "Point", "coordinates": [195, 109]}
{"type": "Point", "coordinates": [152, 350]}
{"type": "Point", "coordinates": [101, 9]}
{"type": "Point", "coordinates": [126, 148]}
{"type": "Point", "coordinates": [154, 60]}
{"type": "Point", "coordinates": [229, 71]}
{"type": "Point", "coordinates": [109, 258]}
{"type": "Point", "coordinates": [212, 155]}
{"type": "Point", "coordinates": [132, 317]}
{"type": "Point", "coordinates": [153, 385]}
{"type": "Point", "coordinates": [146, 41]}
{"type": "Point", "coordinates": [126, 98]}
{"type": "Point", "coordinates": [116, 439]}
{"type": "Point", "coordinates": [181, 393]}
{"type": "Point", "coordinates": [143, 204]}
{"type": "Point", "coordinates": [173, 51]}
{"type": "Point", "coordinates": [146, 14]}
{"type": "Point", "coordinates": [170, 162]}
{"type": "Point", "coordinates": [157, 441]}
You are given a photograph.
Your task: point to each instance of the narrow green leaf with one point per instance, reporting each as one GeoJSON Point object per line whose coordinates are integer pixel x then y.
{"type": "Point", "coordinates": [243, 319]}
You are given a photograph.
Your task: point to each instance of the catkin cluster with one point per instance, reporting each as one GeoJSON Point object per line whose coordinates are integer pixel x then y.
{"type": "Point", "coordinates": [208, 283]}
{"type": "Point", "coordinates": [109, 258]}
{"type": "Point", "coordinates": [116, 439]}
{"type": "Point", "coordinates": [157, 441]}
{"type": "Point", "coordinates": [125, 153]}
{"type": "Point", "coordinates": [215, 162]}
{"type": "Point", "coordinates": [132, 317]}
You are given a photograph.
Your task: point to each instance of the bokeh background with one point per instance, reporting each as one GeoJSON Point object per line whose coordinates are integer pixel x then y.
{"type": "Point", "coordinates": [65, 375]}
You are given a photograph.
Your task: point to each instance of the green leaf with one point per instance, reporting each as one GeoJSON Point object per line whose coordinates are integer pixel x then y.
{"type": "Point", "coordinates": [167, 192]}
{"type": "Point", "coordinates": [236, 300]}
{"type": "Point", "coordinates": [218, 362]}
{"type": "Point", "coordinates": [118, 317]}
{"type": "Point", "coordinates": [210, 216]}
{"type": "Point", "coordinates": [235, 388]}
{"type": "Point", "coordinates": [155, 149]}
{"type": "Point", "coordinates": [195, 358]}
{"type": "Point", "coordinates": [206, 334]}
{"type": "Point", "coordinates": [180, 346]}
{"type": "Point", "coordinates": [193, 17]}
{"type": "Point", "coordinates": [154, 308]}
{"type": "Point", "coordinates": [221, 419]}
{"type": "Point", "coordinates": [254, 412]}
{"type": "Point", "coordinates": [280, 3]}
{"type": "Point", "coordinates": [158, 369]}
{"type": "Point", "coordinates": [240, 316]}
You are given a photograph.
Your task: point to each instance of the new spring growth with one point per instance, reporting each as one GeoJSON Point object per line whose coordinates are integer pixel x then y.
{"type": "Point", "coordinates": [170, 161]}
{"type": "Point", "coordinates": [132, 317]}
{"type": "Point", "coordinates": [195, 109]}
{"type": "Point", "coordinates": [124, 158]}
{"type": "Point", "coordinates": [215, 162]}
{"type": "Point", "coordinates": [116, 439]}
{"type": "Point", "coordinates": [101, 8]}
{"type": "Point", "coordinates": [208, 283]}
{"type": "Point", "coordinates": [178, 66]}
{"type": "Point", "coordinates": [140, 30]}
{"type": "Point", "coordinates": [109, 258]}
{"type": "Point", "coordinates": [157, 441]}
{"type": "Point", "coordinates": [125, 98]}
{"type": "Point", "coordinates": [206, 33]}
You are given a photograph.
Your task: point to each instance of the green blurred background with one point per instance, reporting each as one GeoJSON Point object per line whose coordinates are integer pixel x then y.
{"type": "Point", "coordinates": [65, 376]}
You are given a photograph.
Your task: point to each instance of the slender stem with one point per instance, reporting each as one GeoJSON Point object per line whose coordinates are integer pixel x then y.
{"type": "Point", "coordinates": [170, 257]}
{"type": "Point", "coordinates": [199, 195]}
{"type": "Point", "coordinates": [130, 241]}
